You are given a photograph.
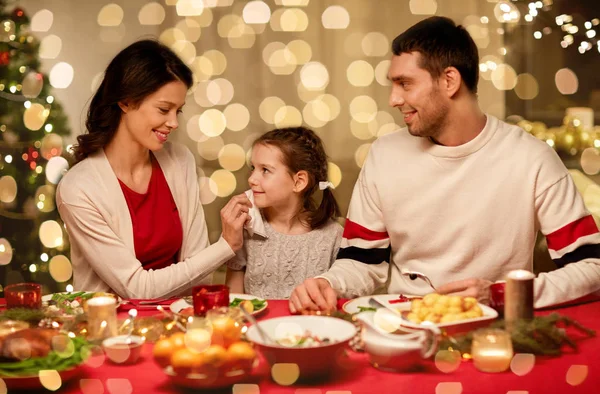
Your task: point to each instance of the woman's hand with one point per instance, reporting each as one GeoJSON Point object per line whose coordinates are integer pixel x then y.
{"type": "Point", "coordinates": [233, 217]}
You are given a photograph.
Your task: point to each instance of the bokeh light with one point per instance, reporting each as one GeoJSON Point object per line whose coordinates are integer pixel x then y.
{"type": "Point", "coordinates": [35, 116]}
{"type": "Point", "coordinates": [335, 17]}
{"type": "Point", "coordinates": [360, 73]}
{"type": "Point", "coordinates": [56, 168]}
{"type": "Point", "coordinates": [151, 14]}
{"type": "Point", "coordinates": [209, 149]}
{"type": "Point", "coordinates": [189, 7]}
{"type": "Point", "coordinates": [60, 268]}
{"type": "Point", "coordinates": [225, 181]}
{"type": "Point", "coordinates": [50, 47]}
{"type": "Point", "coordinates": [566, 81]}
{"type": "Point", "coordinates": [361, 154]}
{"type": "Point", "coordinates": [51, 234]}
{"type": "Point", "coordinates": [42, 20]}
{"type": "Point", "coordinates": [363, 109]}
{"type": "Point", "coordinates": [61, 75]}
{"type": "Point", "coordinates": [237, 117]}
{"type": "Point", "coordinates": [232, 157]}
{"type": "Point", "coordinates": [6, 251]}
{"type": "Point", "coordinates": [285, 374]}
{"type": "Point", "coordinates": [314, 76]}
{"type": "Point", "coordinates": [375, 44]}
{"type": "Point", "coordinates": [269, 107]}
{"type": "Point", "coordinates": [287, 116]}
{"type": "Point", "coordinates": [8, 189]}
{"type": "Point", "coordinates": [212, 122]}
{"type": "Point", "coordinates": [110, 15]}
{"type": "Point", "coordinates": [527, 87]}
{"type": "Point", "coordinates": [504, 77]}
{"type": "Point", "coordinates": [256, 12]}
{"type": "Point", "coordinates": [423, 7]}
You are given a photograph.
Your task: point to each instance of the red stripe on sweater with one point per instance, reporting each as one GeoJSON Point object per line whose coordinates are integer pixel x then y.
{"type": "Point", "coordinates": [354, 230]}
{"type": "Point", "coordinates": [570, 233]}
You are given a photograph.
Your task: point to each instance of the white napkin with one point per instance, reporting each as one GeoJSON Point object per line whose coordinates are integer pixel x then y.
{"type": "Point", "coordinates": [256, 224]}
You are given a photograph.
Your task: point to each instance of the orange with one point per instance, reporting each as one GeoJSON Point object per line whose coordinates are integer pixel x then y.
{"type": "Point", "coordinates": [162, 351]}
{"type": "Point", "coordinates": [215, 355]}
{"type": "Point", "coordinates": [225, 331]}
{"type": "Point", "coordinates": [178, 340]}
{"type": "Point", "coordinates": [185, 361]}
{"type": "Point", "coordinates": [241, 355]}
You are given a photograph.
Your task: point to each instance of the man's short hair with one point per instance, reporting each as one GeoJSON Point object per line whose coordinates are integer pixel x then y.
{"type": "Point", "coordinates": [441, 44]}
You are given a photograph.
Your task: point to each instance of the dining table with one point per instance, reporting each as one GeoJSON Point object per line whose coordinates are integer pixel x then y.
{"type": "Point", "coordinates": [575, 371]}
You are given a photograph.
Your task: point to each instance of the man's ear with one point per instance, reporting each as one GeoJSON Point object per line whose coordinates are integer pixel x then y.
{"type": "Point", "coordinates": [300, 181]}
{"type": "Point", "coordinates": [124, 106]}
{"type": "Point", "coordinates": [451, 81]}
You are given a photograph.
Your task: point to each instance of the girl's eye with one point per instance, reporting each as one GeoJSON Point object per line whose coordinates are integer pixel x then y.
{"type": "Point", "coordinates": [265, 170]}
{"type": "Point", "coordinates": [164, 111]}
{"type": "Point", "coordinates": [179, 111]}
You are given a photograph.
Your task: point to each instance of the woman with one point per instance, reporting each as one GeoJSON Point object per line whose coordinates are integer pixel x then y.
{"type": "Point", "coordinates": [131, 203]}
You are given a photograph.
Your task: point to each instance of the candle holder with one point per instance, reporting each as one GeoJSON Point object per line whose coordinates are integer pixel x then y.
{"type": "Point", "coordinates": [23, 295]}
{"type": "Point", "coordinates": [518, 297]}
{"type": "Point", "coordinates": [102, 318]}
{"type": "Point", "coordinates": [207, 297]}
{"type": "Point", "coordinates": [491, 350]}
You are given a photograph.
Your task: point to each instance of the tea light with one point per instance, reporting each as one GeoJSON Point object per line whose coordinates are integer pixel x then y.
{"type": "Point", "coordinates": [491, 350]}
{"type": "Point", "coordinates": [102, 318]}
{"type": "Point", "coordinates": [518, 296]}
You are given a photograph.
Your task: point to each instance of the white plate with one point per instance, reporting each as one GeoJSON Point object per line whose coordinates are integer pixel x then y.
{"type": "Point", "coordinates": [351, 306]}
{"type": "Point", "coordinates": [48, 297]}
{"type": "Point", "coordinates": [181, 303]}
{"type": "Point", "coordinates": [489, 314]}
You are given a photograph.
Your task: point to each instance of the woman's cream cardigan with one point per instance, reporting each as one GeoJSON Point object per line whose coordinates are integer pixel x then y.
{"type": "Point", "coordinates": [92, 205]}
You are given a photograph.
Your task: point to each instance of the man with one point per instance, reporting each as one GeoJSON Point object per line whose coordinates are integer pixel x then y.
{"type": "Point", "coordinates": [460, 197]}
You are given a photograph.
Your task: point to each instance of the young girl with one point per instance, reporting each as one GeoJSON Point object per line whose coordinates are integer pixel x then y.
{"type": "Point", "coordinates": [301, 238]}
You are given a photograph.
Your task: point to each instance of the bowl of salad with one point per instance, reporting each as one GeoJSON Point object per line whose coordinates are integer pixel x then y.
{"type": "Point", "coordinates": [316, 344]}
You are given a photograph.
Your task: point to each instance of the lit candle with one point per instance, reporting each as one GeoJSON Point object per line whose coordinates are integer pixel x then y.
{"type": "Point", "coordinates": [518, 297]}
{"type": "Point", "coordinates": [491, 350]}
{"type": "Point", "coordinates": [102, 318]}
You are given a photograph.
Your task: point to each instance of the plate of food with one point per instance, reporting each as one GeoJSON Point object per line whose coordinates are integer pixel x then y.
{"type": "Point", "coordinates": [453, 314]}
{"type": "Point", "coordinates": [52, 358]}
{"type": "Point", "coordinates": [251, 303]}
{"type": "Point", "coordinates": [361, 304]}
{"type": "Point", "coordinates": [71, 303]}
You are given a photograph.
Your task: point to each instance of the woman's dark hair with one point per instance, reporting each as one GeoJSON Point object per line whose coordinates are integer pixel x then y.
{"type": "Point", "coordinates": [135, 73]}
{"type": "Point", "coordinates": [302, 150]}
{"type": "Point", "coordinates": [442, 44]}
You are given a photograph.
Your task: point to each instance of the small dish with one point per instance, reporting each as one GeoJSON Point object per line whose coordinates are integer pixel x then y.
{"type": "Point", "coordinates": [123, 349]}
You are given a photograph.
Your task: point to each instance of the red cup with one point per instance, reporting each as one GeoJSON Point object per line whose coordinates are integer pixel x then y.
{"type": "Point", "coordinates": [207, 297]}
{"type": "Point", "coordinates": [23, 295]}
{"type": "Point", "coordinates": [497, 296]}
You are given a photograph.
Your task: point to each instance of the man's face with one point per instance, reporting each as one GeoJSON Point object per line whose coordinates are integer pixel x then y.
{"type": "Point", "coordinates": [417, 95]}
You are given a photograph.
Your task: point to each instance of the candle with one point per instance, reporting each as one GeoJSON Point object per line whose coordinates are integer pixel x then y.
{"type": "Point", "coordinates": [585, 115]}
{"type": "Point", "coordinates": [102, 318]}
{"type": "Point", "coordinates": [518, 297]}
{"type": "Point", "coordinates": [491, 350]}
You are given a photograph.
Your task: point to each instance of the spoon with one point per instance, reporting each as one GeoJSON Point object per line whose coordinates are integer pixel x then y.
{"type": "Point", "coordinates": [415, 274]}
{"type": "Point", "coordinates": [173, 317]}
{"type": "Point", "coordinates": [265, 337]}
{"type": "Point", "coordinates": [132, 315]}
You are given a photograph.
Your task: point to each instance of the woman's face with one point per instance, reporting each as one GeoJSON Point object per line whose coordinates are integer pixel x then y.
{"type": "Point", "coordinates": [151, 123]}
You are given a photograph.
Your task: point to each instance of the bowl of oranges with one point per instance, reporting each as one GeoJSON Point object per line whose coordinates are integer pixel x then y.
{"type": "Point", "coordinates": [210, 354]}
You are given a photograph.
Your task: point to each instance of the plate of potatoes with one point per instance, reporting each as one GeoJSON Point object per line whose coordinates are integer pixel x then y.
{"type": "Point", "coordinates": [452, 313]}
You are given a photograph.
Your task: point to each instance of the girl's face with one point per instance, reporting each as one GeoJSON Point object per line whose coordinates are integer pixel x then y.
{"type": "Point", "coordinates": [270, 179]}
{"type": "Point", "coordinates": [155, 118]}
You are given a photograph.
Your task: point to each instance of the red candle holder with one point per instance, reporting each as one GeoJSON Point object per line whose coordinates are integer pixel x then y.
{"type": "Point", "coordinates": [23, 295]}
{"type": "Point", "coordinates": [207, 297]}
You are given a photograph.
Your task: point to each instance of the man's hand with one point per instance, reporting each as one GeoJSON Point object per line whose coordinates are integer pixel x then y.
{"type": "Point", "coordinates": [473, 287]}
{"type": "Point", "coordinates": [313, 295]}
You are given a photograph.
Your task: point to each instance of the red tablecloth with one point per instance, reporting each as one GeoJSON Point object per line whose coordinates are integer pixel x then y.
{"type": "Point", "coordinates": [549, 375]}
{"type": "Point", "coordinates": [356, 375]}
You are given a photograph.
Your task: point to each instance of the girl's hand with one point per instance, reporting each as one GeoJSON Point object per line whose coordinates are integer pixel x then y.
{"type": "Point", "coordinates": [233, 217]}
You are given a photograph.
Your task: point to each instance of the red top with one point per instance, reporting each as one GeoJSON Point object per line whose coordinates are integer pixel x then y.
{"type": "Point", "coordinates": [157, 231]}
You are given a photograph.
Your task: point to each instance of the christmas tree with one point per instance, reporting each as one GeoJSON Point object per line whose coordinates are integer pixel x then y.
{"type": "Point", "coordinates": [33, 245]}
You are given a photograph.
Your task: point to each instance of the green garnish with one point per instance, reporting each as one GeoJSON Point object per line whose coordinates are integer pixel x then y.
{"type": "Point", "coordinates": [256, 303]}
{"type": "Point", "coordinates": [54, 360]}
{"type": "Point", "coordinates": [366, 309]}
{"type": "Point", "coordinates": [61, 297]}
{"type": "Point", "coordinates": [32, 316]}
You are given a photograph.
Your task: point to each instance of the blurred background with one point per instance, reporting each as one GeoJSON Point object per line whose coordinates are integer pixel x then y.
{"type": "Point", "coordinates": [265, 64]}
